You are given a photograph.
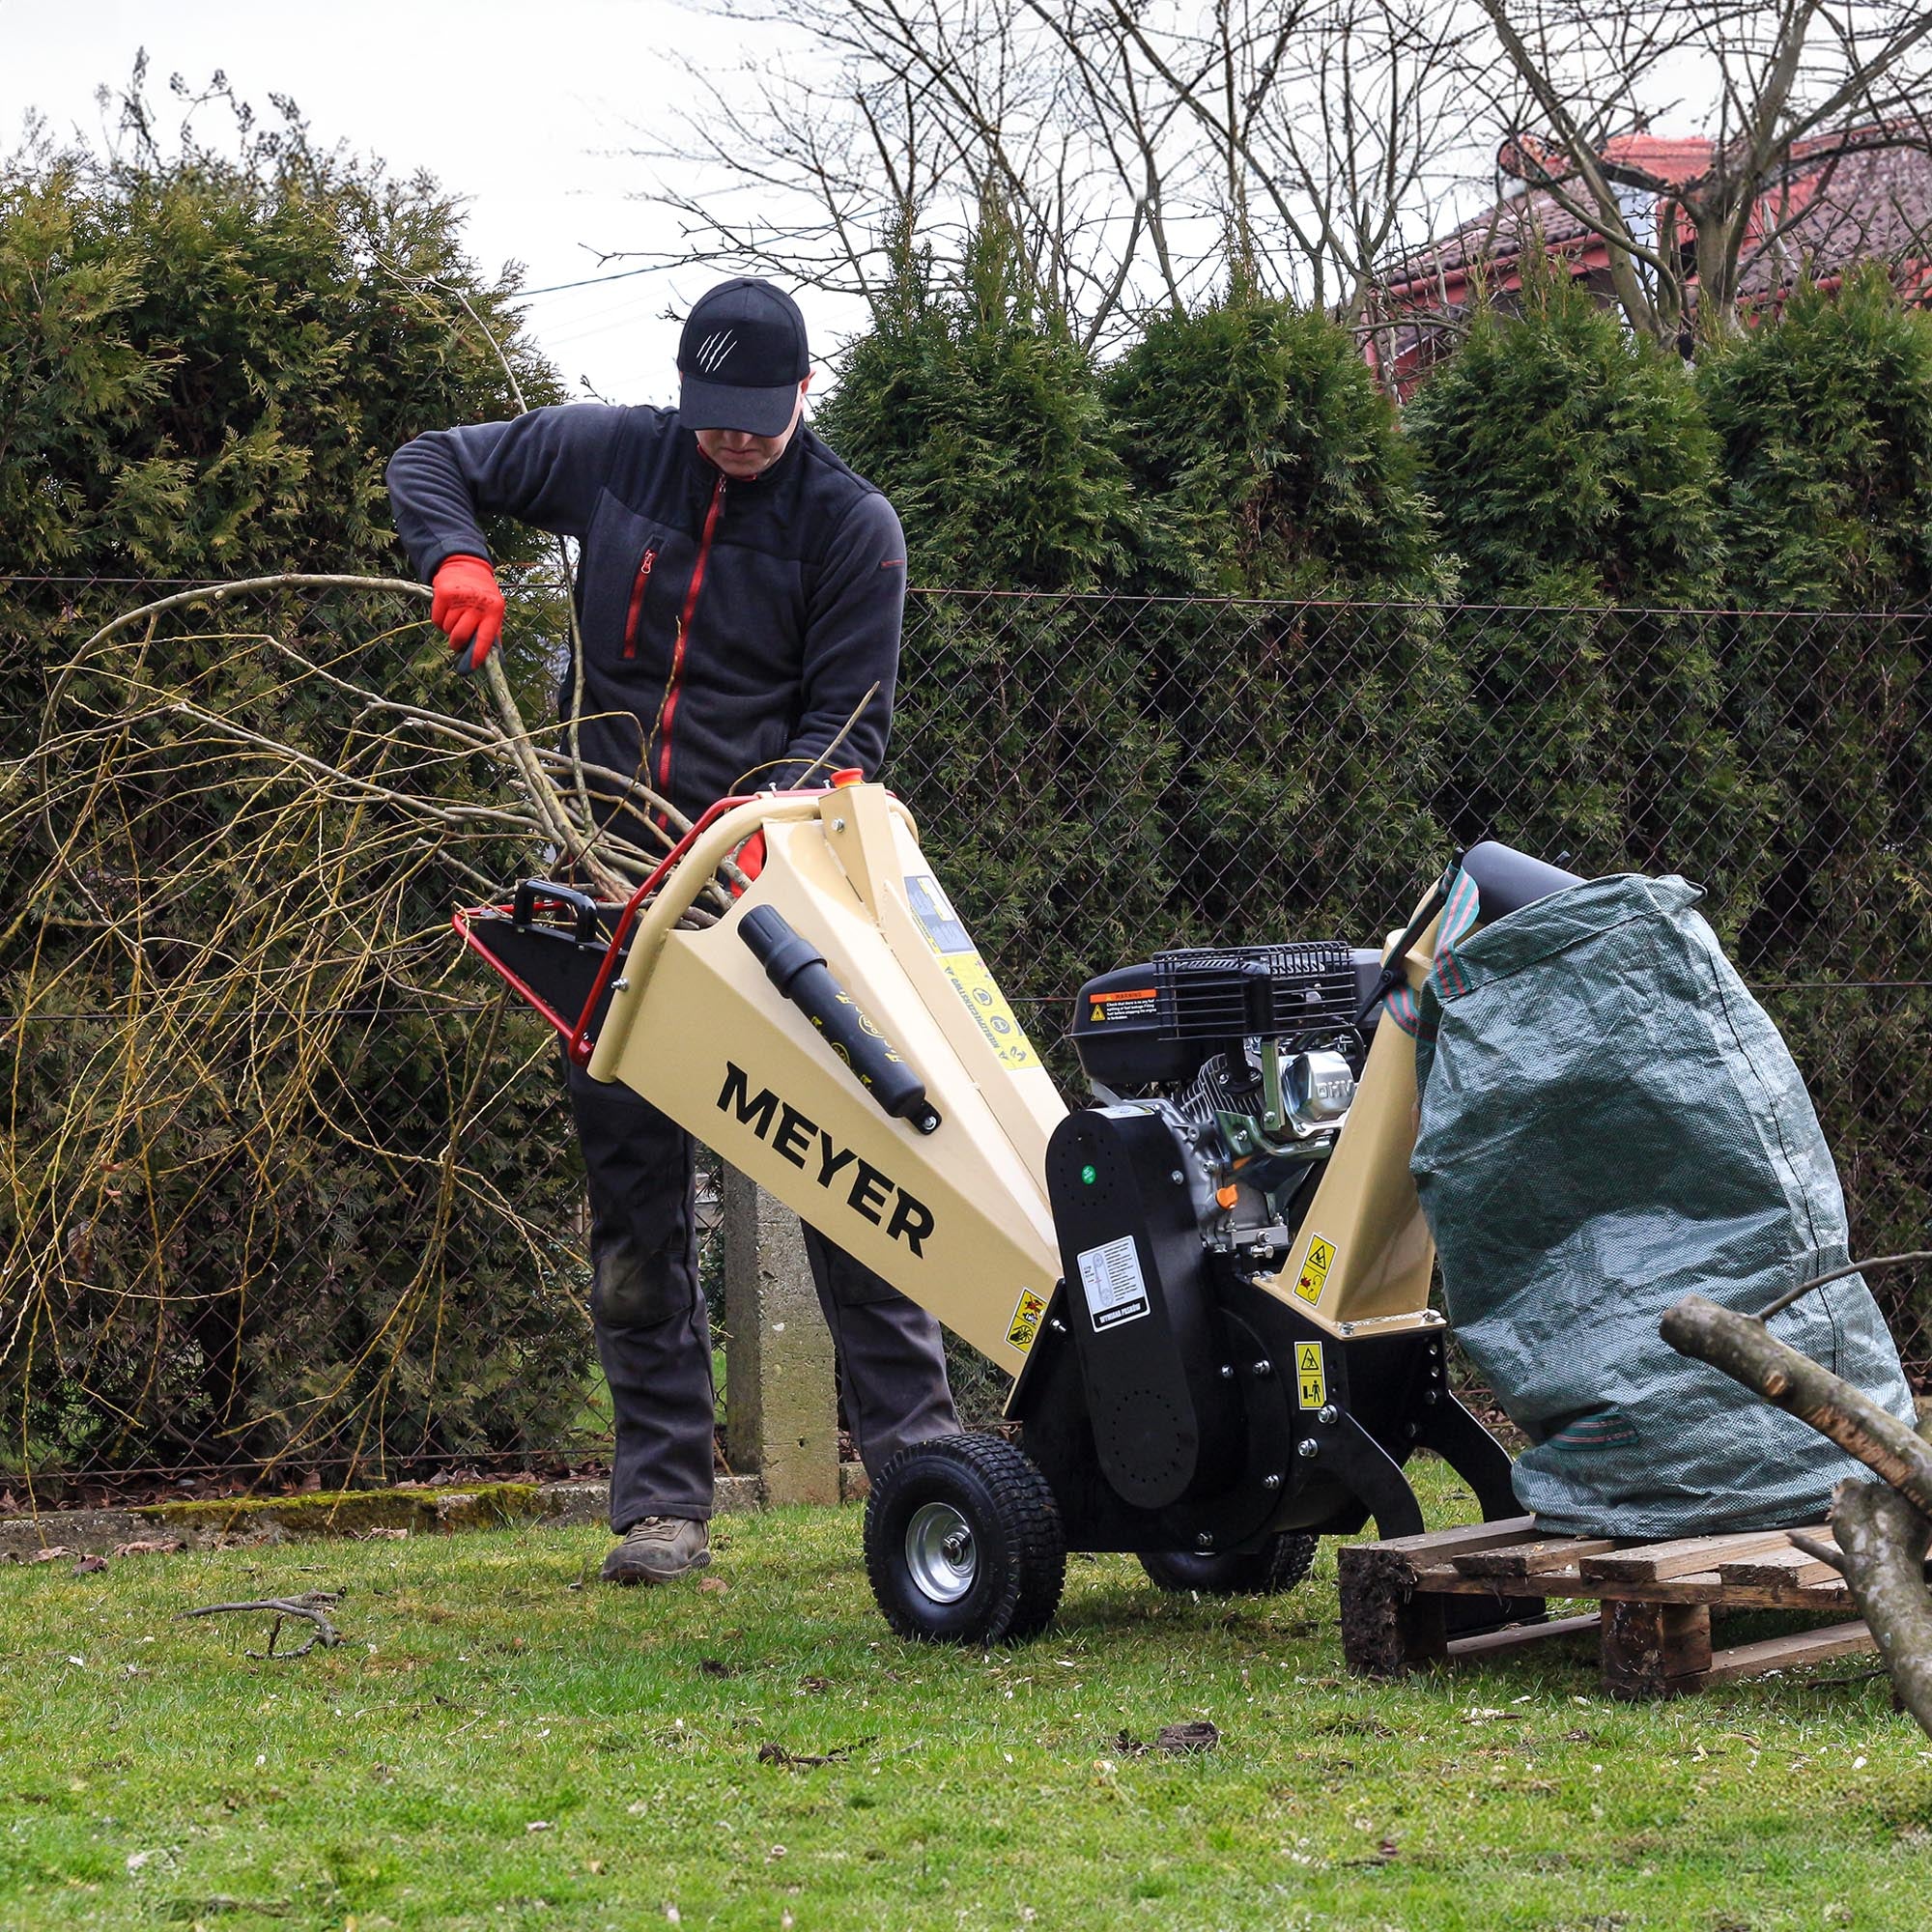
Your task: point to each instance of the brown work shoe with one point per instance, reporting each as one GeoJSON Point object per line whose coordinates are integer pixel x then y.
{"type": "Point", "coordinates": [659, 1549]}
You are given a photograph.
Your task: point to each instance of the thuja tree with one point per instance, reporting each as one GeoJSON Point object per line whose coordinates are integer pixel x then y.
{"type": "Point", "coordinates": [1022, 736]}
{"type": "Point", "coordinates": [1576, 477]}
{"type": "Point", "coordinates": [1824, 420]}
{"type": "Point", "coordinates": [1570, 462]}
{"type": "Point", "coordinates": [1270, 472]}
{"type": "Point", "coordinates": [1268, 462]}
{"type": "Point", "coordinates": [276, 1177]}
{"type": "Point", "coordinates": [1020, 739]}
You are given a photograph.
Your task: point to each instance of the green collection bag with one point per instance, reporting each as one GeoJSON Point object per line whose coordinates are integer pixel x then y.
{"type": "Point", "coordinates": [1608, 1121]}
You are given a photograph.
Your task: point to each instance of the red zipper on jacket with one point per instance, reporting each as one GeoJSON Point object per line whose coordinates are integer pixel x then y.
{"type": "Point", "coordinates": [684, 633]}
{"type": "Point", "coordinates": [637, 601]}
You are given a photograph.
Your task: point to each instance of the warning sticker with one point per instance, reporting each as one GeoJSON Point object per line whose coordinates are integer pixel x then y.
{"type": "Point", "coordinates": [1315, 1269]}
{"type": "Point", "coordinates": [967, 972]}
{"type": "Point", "coordinates": [1025, 1325]}
{"type": "Point", "coordinates": [1116, 1289]}
{"type": "Point", "coordinates": [934, 911]}
{"type": "Point", "coordinates": [1311, 1385]}
{"type": "Point", "coordinates": [1135, 1002]}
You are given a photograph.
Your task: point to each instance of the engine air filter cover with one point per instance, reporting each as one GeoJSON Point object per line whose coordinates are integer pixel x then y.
{"type": "Point", "coordinates": [1117, 1032]}
{"type": "Point", "coordinates": [1156, 1023]}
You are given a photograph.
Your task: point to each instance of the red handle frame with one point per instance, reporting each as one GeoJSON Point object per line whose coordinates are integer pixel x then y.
{"type": "Point", "coordinates": [577, 1041]}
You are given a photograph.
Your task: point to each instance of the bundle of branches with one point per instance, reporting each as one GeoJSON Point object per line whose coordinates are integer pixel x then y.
{"type": "Point", "coordinates": [274, 1174]}
{"type": "Point", "coordinates": [1883, 1530]}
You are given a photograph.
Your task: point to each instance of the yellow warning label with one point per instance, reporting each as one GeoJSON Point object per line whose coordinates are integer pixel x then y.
{"type": "Point", "coordinates": [1315, 1269]}
{"type": "Point", "coordinates": [967, 970]}
{"type": "Point", "coordinates": [1026, 1311]}
{"type": "Point", "coordinates": [1311, 1384]}
{"type": "Point", "coordinates": [988, 1005]}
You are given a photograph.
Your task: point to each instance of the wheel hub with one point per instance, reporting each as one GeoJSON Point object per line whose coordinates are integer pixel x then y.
{"type": "Point", "coordinates": [940, 1553]}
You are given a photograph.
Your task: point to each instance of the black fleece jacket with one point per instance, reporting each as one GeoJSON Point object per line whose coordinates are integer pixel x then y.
{"type": "Point", "coordinates": [729, 628]}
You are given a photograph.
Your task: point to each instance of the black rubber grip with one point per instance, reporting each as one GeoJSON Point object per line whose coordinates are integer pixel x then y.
{"type": "Point", "coordinates": [533, 893]}
{"type": "Point", "coordinates": [797, 970]}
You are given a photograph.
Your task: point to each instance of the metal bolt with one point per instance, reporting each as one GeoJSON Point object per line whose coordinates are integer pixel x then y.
{"type": "Point", "coordinates": [1413, 1431]}
{"type": "Point", "coordinates": [620, 986]}
{"type": "Point", "coordinates": [1270, 1482]}
{"type": "Point", "coordinates": [1329, 1413]}
{"type": "Point", "coordinates": [1057, 1326]}
{"type": "Point", "coordinates": [1263, 1367]}
{"type": "Point", "coordinates": [1227, 1372]}
{"type": "Point", "coordinates": [1177, 1176]}
{"type": "Point", "coordinates": [1308, 1448]}
{"type": "Point", "coordinates": [839, 825]}
{"type": "Point", "coordinates": [1347, 1327]}
{"type": "Point", "coordinates": [1429, 1396]}
{"type": "Point", "coordinates": [1204, 1541]}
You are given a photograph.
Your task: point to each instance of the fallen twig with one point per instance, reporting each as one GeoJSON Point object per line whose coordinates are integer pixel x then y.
{"type": "Point", "coordinates": [311, 1606]}
{"type": "Point", "coordinates": [1819, 1551]}
{"type": "Point", "coordinates": [771, 1753]}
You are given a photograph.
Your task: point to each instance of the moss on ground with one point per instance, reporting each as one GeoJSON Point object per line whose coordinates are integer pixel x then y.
{"type": "Point", "coordinates": [356, 1511]}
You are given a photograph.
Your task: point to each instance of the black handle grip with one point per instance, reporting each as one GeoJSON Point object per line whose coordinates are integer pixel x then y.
{"type": "Point", "coordinates": [533, 893]}
{"type": "Point", "coordinates": [797, 970]}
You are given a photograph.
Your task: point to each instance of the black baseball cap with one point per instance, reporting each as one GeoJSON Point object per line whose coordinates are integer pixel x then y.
{"type": "Point", "coordinates": [742, 356]}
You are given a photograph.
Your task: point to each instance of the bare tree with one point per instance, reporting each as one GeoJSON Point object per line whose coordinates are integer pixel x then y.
{"type": "Point", "coordinates": [1325, 124]}
{"type": "Point", "coordinates": [1144, 149]}
{"type": "Point", "coordinates": [904, 111]}
{"type": "Point", "coordinates": [1788, 96]}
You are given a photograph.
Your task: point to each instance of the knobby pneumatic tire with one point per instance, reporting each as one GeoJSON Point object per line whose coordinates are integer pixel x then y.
{"type": "Point", "coordinates": [1277, 1566]}
{"type": "Point", "coordinates": [964, 1544]}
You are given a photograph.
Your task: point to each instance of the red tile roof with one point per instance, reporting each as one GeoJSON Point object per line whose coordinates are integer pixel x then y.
{"type": "Point", "coordinates": [1844, 204]}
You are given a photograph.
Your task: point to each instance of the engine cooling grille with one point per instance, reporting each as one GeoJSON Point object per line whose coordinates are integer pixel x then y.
{"type": "Point", "coordinates": [1204, 994]}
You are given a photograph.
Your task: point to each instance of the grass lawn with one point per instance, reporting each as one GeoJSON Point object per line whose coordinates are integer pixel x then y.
{"type": "Point", "coordinates": [504, 1744]}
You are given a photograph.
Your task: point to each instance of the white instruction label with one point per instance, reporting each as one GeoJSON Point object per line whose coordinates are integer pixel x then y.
{"type": "Point", "coordinates": [1116, 1289]}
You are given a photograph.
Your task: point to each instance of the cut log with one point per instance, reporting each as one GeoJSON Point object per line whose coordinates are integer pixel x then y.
{"type": "Point", "coordinates": [1745, 1350]}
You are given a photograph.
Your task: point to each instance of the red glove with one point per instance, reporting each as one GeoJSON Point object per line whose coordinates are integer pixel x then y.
{"type": "Point", "coordinates": [468, 608]}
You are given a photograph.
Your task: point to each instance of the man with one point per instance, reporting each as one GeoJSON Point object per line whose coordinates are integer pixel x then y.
{"type": "Point", "coordinates": [739, 591]}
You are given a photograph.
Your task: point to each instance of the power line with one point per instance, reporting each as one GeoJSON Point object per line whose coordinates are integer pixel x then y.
{"type": "Point", "coordinates": [588, 282]}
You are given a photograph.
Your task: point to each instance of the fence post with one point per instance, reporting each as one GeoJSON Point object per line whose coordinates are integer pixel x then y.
{"type": "Point", "coordinates": [781, 1392]}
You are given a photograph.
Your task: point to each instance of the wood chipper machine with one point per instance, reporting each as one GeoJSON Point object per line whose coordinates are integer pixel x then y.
{"type": "Point", "coordinates": [1211, 1282]}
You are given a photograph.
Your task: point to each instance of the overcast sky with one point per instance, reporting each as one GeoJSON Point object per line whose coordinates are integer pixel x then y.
{"type": "Point", "coordinates": [526, 107]}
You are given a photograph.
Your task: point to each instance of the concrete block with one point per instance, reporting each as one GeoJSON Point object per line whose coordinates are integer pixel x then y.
{"type": "Point", "coordinates": [781, 1400]}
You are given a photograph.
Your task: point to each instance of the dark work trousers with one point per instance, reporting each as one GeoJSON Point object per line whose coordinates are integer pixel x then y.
{"type": "Point", "coordinates": [654, 1336]}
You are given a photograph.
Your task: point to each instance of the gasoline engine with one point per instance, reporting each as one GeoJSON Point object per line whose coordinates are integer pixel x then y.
{"type": "Point", "coordinates": [1251, 1058]}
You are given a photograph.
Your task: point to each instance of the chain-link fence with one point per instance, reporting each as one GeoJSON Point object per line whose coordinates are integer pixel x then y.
{"type": "Point", "coordinates": [289, 1185]}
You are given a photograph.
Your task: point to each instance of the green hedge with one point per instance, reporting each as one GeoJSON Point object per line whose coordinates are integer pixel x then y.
{"type": "Point", "coordinates": [1223, 650]}
{"type": "Point", "coordinates": [227, 1230]}
{"type": "Point", "coordinates": [1530, 608]}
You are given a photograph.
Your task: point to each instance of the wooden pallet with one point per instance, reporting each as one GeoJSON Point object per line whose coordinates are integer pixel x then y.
{"type": "Point", "coordinates": [1402, 1601]}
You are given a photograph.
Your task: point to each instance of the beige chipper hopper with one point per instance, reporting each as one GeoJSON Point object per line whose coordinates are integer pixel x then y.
{"type": "Point", "coordinates": [1210, 1283]}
